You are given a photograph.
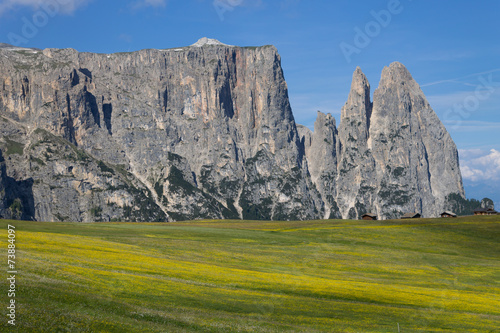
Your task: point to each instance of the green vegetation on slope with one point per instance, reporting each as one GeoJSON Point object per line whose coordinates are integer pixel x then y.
{"type": "Point", "coordinates": [464, 207]}
{"type": "Point", "coordinates": [428, 275]}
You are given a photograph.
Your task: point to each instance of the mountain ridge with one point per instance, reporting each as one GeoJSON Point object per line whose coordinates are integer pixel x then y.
{"type": "Point", "coordinates": [208, 132]}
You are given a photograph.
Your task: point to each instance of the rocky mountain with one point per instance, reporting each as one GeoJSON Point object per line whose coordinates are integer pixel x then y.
{"type": "Point", "coordinates": [393, 153]}
{"type": "Point", "coordinates": [207, 131]}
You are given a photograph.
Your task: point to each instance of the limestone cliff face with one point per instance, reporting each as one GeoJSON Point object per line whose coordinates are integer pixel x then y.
{"type": "Point", "coordinates": [200, 132]}
{"type": "Point", "coordinates": [206, 132]}
{"type": "Point", "coordinates": [355, 168]}
{"type": "Point", "coordinates": [416, 161]}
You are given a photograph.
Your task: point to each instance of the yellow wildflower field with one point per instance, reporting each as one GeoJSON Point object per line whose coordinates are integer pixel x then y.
{"type": "Point", "coordinates": [248, 276]}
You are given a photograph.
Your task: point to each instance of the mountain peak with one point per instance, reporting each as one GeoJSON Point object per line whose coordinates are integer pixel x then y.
{"type": "Point", "coordinates": [396, 72]}
{"type": "Point", "coordinates": [359, 82]}
{"type": "Point", "coordinates": [208, 41]}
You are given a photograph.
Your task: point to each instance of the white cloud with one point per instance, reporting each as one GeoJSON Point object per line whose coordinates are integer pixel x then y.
{"type": "Point", "coordinates": [478, 167]}
{"type": "Point", "coordinates": [59, 6]}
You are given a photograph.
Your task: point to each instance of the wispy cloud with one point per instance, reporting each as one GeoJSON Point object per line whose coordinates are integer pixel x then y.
{"type": "Point", "coordinates": [448, 99]}
{"type": "Point", "coordinates": [459, 79]}
{"type": "Point", "coordinates": [447, 56]}
{"type": "Point", "coordinates": [445, 101]}
{"type": "Point", "coordinates": [474, 125]}
{"type": "Point", "coordinates": [64, 7]}
{"type": "Point", "coordinates": [126, 38]}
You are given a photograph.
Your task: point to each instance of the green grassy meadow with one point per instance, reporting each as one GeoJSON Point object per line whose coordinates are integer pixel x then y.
{"type": "Point", "coordinates": [428, 275]}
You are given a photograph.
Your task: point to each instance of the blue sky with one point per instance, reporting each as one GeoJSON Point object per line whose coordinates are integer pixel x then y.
{"type": "Point", "coordinates": [451, 47]}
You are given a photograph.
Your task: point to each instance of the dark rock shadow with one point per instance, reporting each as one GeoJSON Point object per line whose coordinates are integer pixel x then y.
{"type": "Point", "coordinates": [16, 196]}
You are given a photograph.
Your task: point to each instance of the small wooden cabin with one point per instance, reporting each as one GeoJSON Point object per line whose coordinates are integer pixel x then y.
{"type": "Point", "coordinates": [484, 211]}
{"type": "Point", "coordinates": [369, 217]}
{"type": "Point", "coordinates": [491, 211]}
{"type": "Point", "coordinates": [411, 216]}
{"type": "Point", "coordinates": [448, 214]}
{"type": "Point", "coordinates": [480, 211]}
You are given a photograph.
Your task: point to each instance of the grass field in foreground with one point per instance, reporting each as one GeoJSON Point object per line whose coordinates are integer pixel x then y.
{"type": "Point", "coordinates": [428, 275]}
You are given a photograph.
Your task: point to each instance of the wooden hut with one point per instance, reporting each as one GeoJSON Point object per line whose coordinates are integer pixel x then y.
{"type": "Point", "coordinates": [448, 214]}
{"type": "Point", "coordinates": [411, 216]}
{"type": "Point", "coordinates": [491, 211]}
{"type": "Point", "coordinates": [480, 211]}
{"type": "Point", "coordinates": [484, 211]}
{"type": "Point", "coordinates": [369, 217]}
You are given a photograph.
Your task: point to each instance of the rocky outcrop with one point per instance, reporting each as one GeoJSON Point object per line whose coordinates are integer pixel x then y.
{"type": "Point", "coordinates": [207, 131]}
{"type": "Point", "coordinates": [322, 148]}
{"type": "Point", "coordinates": [395, 155]}
{"type": "Point", "coordinates": [356, 166]}
{"type": "Point", "coordinates": [416, 159]}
